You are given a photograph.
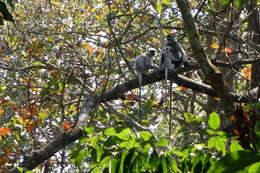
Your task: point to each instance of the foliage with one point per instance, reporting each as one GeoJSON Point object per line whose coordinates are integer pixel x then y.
{"type": "Point", "coordinates": [55, 54]}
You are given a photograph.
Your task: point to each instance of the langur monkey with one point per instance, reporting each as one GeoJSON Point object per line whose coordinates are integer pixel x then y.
{"type": "Point", "coordinates": [172, 57]}
{"type": "Point", "coordinates": [180, 57]}
{"type": "Point", "coordinates": [143, 63]}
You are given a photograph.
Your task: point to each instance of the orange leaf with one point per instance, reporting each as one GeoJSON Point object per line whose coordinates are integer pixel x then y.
{"type": "Point", "coordinates": [247, 73]}
{"type": "Point", "coordinates": [90, 49]}
{"type": "Point", "coordinates": [2, 111]}
{"type": "Point", "coordinates": [104, 80]}
{"type": "Point", "coordinates": [30, 126]}
{"type": "Point", "coordinates": [228, 50]}
{"type": "Point", "coordinates": [234, 118]}
{"type": "Point", "coordinates": [132, 96]}
{"type": "Point", "coordinates": [66, 96]}
{"type": "Point", "coordinates": [65, 125]}
{"type": "Point", "coordinates": [217, 98]}
{"type": "Point", "coordinates": [236, 132]}
{"type": "Point", "coordinates": [33, 107]}
{"type": "Point", "coordinates": [180, 88]}
{"type": "Point", "coordinates": [4, 131]}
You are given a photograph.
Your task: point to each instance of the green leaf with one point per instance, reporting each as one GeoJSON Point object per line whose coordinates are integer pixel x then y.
{"type": "Point", "coordinates": [210, 132]}
{"type": "Point", "coordinates": [88, 130]}
{"type": "Point", "coordinates": [234, 162]}
{"type": "Point", "coordinates": [124, 154]}
{"type": "Point", "coordinates": [220, 133]}
{"type": "Point", "coordinates": [29, 171]}
{"type": "Point", "coordinates": [240, 3]}
{"type": "Point", "coordinates": [235, 146]}
{"type": "Point", "coordinates": [43, 114]}
{"type": "Point", "coordinates": [83, 140]}
{"type": "Point", "coordinates": [124, 134]}
{"type": "Point", "coordinates": [211, 142]}
{"type": "Point", "coordinates": [164, 165]}
{"type": "Point", "coordinates": [220, 146]}
{"type": "Point", "coordinates": [254, 168]}
{"type": "Point", "coordinates": [145, 135]}
{"type": "Point", "coordinates": [224, 3]}
{"type": "Point", "coordinates": [110, 132]}
{"type": "Point", "coordinates": [214, 121]}
{"type": "Point", "coordinates": [162, 142]}
{"type": "Point", "coordinates": [126, 144]}
{"type": "Point", "coordinates": [80, 156]}
{"type": "Point", "coordinates": [159, 7]}
{"type": "Point", "coordinates": [166, 2]}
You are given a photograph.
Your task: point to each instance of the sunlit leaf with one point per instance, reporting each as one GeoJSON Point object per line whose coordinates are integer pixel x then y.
{"type": "Point", "coordinates": [235, 146]}
{"type": "Point", "coordinates": [159, 7]}
{"type": "Point", "coordinates": [215, 45]}
{"type": "Point", "coordinates": [166, 2]}
{"type": "Point", "coordinates": [4, 131]}
{"type": "Point", "coordinates": [145, 135]}
{"type": "Point", "coordinates": [214, 121]}
{"type": "Point", "coordinates": [217, 98]}
{"type": "Point", "coordinates": [57, 4]}
{"type": "Point", "coordinates": [220, 146]}
{"type": "Point", "coordinates": [247, 72]}
{"type": "Point", "coordinates": [124, 134]}
{"type": "Point", "coordinates": [43, 114]}
{"type": "Point", "coordinates": [163, 142]}
{"type": "Point", "coordinates": [234, 162]}
{"type": "Point", "coordinates": [110, 131]}
{"type": "Point", "coordinates": [228, 50]}
{"type": "Point", "coordinates": [2, 111]}
{"type": "Point", "coordinates": [88, 130]}
{"type": "Point", "coordinates": [211, 142]}
{"type": "Point", "coordinates": [65, 125]}
{"type": "Point", "coordinates": [90, 48]}
{"type": "Point", "coordinates": [254, 168]}
{"type": "Point", "coordinates": [180, 88]}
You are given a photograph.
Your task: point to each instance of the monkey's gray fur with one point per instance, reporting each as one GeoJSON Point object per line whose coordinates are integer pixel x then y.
{"type": "Point", "coordinates": [143, 63]}
{"type": "Point", "coordinates": [180, 57]}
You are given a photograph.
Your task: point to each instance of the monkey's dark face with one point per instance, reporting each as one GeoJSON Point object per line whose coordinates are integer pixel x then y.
{"type": "Point", "coordinates": [170, 37]}
{"type": "Point", "coordinates": [151, 52]}
{"type": "Point", "coordinates": [167, 49]}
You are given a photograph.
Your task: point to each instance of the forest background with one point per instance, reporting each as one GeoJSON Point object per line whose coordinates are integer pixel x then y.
{"type": "Point", "coordinates": [69, 92]}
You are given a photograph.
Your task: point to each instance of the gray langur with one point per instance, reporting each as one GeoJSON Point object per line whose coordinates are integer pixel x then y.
{"type": "Point", "coordinates": [180, 57]}
{"type": "Point", "coordinates": [172, 57]}
{"type": "Point", "coordinates": [167, 61]}
{"type": "Point", "coordinates": [143, 63]}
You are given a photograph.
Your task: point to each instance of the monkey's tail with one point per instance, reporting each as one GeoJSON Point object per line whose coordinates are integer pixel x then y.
{"type": "Point", "coordinates": [170, 123]}
{"type": "Point", "coordinates": [140, 97]}
{"type": "Point", "coordinates": [166, 76]}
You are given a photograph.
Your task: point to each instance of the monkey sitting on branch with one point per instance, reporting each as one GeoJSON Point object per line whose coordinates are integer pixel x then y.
{"type": "Point", "coordinates": [143, 63]}
{"type": "Point", "coordinates": [172, 57]}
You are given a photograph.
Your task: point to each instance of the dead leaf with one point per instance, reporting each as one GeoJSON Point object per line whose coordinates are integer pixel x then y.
{"type": "Point", "coordinates": [2, 111]}
{"type": "Point", "coordinates": [90, 49]}
{"type": "Point", "coordinates": [65, 125]}
{"type": "Point", "coordinates": [4, 131]}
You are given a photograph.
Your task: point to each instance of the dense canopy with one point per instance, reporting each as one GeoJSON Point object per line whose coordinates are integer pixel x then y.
{"type": "Point", "coordinates": [69, 90]}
